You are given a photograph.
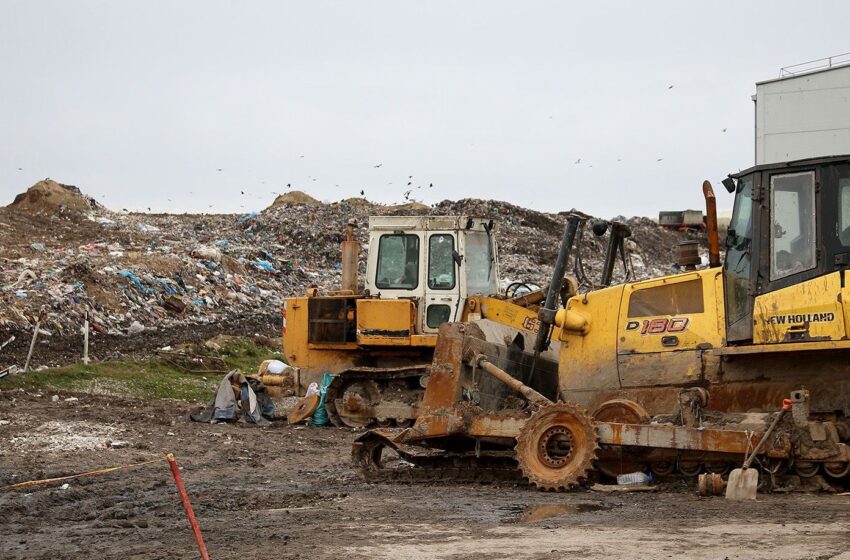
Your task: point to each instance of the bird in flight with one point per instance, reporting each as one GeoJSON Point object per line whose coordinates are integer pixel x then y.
{"type": "Point", "coordinates": [660, 159]}
{"type": "Point", "coordinates": [430, 185]}
{"type": "Point", "coordinates": [724, 130]}
{"type": "Point", "coordinates": [362, 192]}
{"type": "Point", "coordinates": [670, 87]}
{"type": "Point", "coordinates": [378, 165]}
{"type": "Point", "coordinates": [578, 161]}
{"type": "Point", "coordinates": [219, 169]}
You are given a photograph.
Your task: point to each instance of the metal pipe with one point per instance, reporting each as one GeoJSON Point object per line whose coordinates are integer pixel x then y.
{"type": "Point", "coordinates": [506, 378]}
{"type": "Point", "coordinates": [350, 254]}
{"type": "Point", "coordinates": [619, 232]}
{"type": "Point", "coordinates": [711, 225]}
{"type": "Point", "coordinates": [547, 312]}
{"type": "Point", "coordinates": [187, 505]}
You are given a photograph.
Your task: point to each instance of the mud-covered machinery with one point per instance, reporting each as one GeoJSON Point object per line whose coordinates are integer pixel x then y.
{"type": "Point", "coordinates": [421, 272]}
{"type": "Point", "coordinates": [680, 374]}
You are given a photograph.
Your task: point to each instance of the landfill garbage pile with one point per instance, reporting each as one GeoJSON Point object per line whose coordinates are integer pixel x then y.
{"type": "Point", "coordinates": [147, 280]}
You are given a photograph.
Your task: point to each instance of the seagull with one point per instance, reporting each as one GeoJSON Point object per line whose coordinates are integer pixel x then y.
{"type": "Point", "coordinates": [378, 165]}
{"type": "Point", "coordinates": [410, 176]}
{"type": "Point", "coordinates": [431, 185]}
{"type": "Point", "coordinates": [20, 169]}
{"type": "Point", "coordinates": [660, 159]}
{"type": "Point", "coordinates": [149, 209]}
{"type": "Point", "coordinates": [724, 130]}
{"type": "Point", "coordinates": [362, 192]}
{"type": "Point", "coordinates": [219, 169]}
{"type": "Point", "coordinates": [243, 192]}
{"type": "Point", "coordinates": [301, 156]}
{"type": "Point", "coordinates": [578, 161]}
{"type": "Point", "coordinates": [670, 87]}
{"type": "Point", "coordinates": [289, 185]}
{"type": "Point", "coordinates": [409, 183]}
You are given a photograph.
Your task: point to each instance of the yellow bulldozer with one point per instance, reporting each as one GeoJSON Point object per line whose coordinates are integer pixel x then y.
{"type": "Point", "coordinates": [678, 375]}
{"type": "Point", "coordinates": [421, 272]}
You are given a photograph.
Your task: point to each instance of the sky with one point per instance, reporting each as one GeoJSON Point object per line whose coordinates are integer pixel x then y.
{"type": "Point", "coordinates": [614, 108]}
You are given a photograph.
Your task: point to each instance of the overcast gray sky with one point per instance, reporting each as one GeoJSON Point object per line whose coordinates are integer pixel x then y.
{"type": "Point", "coordinates": [138, 103]}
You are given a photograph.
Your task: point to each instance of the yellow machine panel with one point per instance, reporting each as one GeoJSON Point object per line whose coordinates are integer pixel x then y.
{"type": "Point", "coordinates": [507, 313]}
{"type": "Point", "coordinates": [299, 352]}
{"type": "Point", "coordinates": [385, 322]}
{"type": "Point", "coordinates": [808, 311]}
{"type": "Point", "coordinates": [589, 362]}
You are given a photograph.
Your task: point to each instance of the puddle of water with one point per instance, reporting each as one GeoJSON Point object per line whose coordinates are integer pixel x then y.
{"type": "Point", "coordinates": [532, 513]}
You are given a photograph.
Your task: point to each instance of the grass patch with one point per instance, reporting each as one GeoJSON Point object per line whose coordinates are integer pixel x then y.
{"type": "Point", "coordinates": [148, 379]}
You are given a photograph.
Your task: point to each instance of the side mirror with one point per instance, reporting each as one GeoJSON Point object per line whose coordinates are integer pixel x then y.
{"type": "Point", "coordinates": [730, 185]}
{"type": "Point", "coordinates": [458, 258]}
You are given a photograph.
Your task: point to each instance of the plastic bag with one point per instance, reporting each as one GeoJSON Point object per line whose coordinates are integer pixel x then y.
{"type": "Point", "coordinates": [313, 389]}
{"type": "Point", "coordinates": [320, 417]}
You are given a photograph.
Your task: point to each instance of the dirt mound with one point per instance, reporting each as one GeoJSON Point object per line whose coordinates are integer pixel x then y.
{"type": "Point", "coordinates": [356, 201]}
{"type": "Point", "coordinates": [412, 207]}
{"type": "Point", "coordinates": [295, 197]}
{"type": "Point", "coordinates": [50, 196]}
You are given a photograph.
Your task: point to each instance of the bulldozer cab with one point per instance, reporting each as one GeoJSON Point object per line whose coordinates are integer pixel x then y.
{"type": "Point", "coordinates": [787, 251]}
{"type": "Point", "coordinates": [436, 262]}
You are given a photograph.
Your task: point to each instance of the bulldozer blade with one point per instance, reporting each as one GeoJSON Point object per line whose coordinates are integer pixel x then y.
{"type": "Point", "coordinates": [742, 484]}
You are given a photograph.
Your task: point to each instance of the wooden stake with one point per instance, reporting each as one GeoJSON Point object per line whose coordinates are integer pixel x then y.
{"type": "Point", "coordinates": [32, 343]}
{"type": "Point", "coordinates": [86, 340]}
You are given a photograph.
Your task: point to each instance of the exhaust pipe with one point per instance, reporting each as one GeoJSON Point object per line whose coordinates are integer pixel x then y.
{"type": "Point", "coordinates": [350, 256]}
{"type": "Point", "coordinates": [711, 225]}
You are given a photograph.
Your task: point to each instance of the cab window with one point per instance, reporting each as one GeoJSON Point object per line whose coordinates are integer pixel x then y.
{"type": "Point", "coordinates": [398, 262]}
{"type": "Point", "coordinates": [680, 298]}
{"type": "Point", "coordinates": [844, 210]}
{"type": "Point", "coordinates": [479, 262]}
{"type": "Point", "coordinates": [441, 263]}
{"type": "Point", "coordinates": [792, 214]}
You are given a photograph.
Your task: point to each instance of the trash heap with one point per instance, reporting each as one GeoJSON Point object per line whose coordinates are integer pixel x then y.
{"type": "Point", "coordinates": [65, 257]}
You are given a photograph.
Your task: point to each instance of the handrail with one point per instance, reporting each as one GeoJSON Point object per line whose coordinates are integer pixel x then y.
{"type": "Point", "coordinates": [815, 65]}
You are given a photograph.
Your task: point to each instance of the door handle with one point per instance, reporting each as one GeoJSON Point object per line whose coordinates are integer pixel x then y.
{"type": "Point", "coordinates": [669, 341]}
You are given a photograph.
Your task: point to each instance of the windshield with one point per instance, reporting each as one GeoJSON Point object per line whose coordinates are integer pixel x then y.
{"type": "Point", "coordinates": [398, 262]}
{"type": "Point", "coordinates": [479, 264]}
{"type": "Point", "coordinates": [739, 252]}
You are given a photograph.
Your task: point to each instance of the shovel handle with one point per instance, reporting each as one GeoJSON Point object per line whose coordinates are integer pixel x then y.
{"type": "Point", "coordinates": [786, 406]}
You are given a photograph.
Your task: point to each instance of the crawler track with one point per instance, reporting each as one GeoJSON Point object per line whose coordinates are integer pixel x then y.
{"type": "Point", "coordinates": [419, 465]}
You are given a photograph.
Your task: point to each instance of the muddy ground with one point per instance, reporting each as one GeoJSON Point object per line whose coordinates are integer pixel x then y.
{"type": "Point", "coordinates": [288, 492]}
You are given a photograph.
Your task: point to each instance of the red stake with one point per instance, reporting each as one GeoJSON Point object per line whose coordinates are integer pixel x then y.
{"type": "Point", "coordinates": [184, 497]}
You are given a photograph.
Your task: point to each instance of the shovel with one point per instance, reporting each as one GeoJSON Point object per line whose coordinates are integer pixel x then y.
{"type": "Point", "coordinates": [744, 482]}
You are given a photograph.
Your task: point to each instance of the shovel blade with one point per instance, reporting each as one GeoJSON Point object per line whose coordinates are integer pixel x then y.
{"type": "Point", "coordinates": [742, 484]}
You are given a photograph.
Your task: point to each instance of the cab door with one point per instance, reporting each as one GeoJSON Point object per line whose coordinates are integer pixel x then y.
{"type": "Point", "coordinates": [665, 324]}
{"type": "Point", "coordinates": [442, 288]}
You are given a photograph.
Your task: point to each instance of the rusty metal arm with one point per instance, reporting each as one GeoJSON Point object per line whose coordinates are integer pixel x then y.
{"type": "Point", "coordinates": [533, 396]}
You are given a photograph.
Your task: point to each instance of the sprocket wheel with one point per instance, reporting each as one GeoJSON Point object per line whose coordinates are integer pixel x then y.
{"type": "Point", "coordinates": [354, 396]}
{"type": "Point", "coordinates": [556, 447]}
